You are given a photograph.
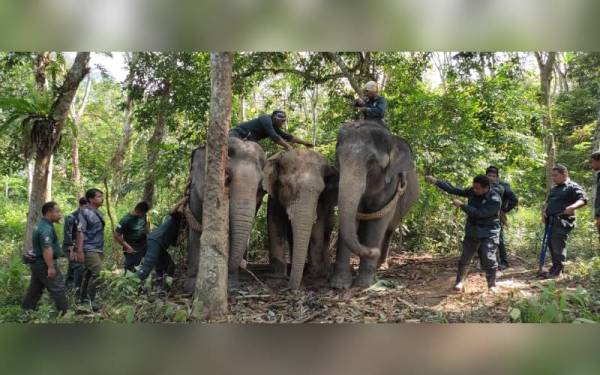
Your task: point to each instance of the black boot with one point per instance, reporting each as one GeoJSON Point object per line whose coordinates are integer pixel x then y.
{"type": "Point", "coordinates": [460, 279]}
{"type": "Point", "coordinates": [491, 279]}
{"type": "Point", "coordinates": [555, 271]}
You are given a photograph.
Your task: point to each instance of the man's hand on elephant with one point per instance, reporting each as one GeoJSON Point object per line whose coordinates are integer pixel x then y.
{"type": "Point", "coordinates": [457, 202]}
{"type": "Point", "coordinates": [431, 179]}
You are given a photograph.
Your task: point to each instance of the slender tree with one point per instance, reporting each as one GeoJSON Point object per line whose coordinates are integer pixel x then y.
{"type": "Point", "coordinates": [211, 284]}
{"type": "Point", "coordinates": [546, 66]}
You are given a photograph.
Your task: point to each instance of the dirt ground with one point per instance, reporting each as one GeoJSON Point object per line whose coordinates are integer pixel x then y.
{"type": "Point", "coordinates": [415, 288]}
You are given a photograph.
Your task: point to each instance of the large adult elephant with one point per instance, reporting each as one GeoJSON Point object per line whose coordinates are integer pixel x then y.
{"type": "Point", "coordinates": [378, 185]}
{"type": "Point", "coordinates": [244, 175]}
{"type": "Point", "coordinates": [302, 190]}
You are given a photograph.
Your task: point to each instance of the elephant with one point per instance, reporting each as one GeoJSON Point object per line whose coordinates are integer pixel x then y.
{"type": "Point", "coordinates": [246, 161]}
{"type": "Point", "coordinates": [302, 190]}
{"type": "Point", "coordinates": [377, 186]}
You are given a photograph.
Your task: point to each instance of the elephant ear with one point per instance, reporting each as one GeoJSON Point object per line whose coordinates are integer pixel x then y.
{"type": "Point", "coordinates": [271, 174]}
{"type": "Point", "coordinates": [401, 159]}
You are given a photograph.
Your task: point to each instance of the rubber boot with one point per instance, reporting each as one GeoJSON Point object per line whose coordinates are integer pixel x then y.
{"type": "Point", "coordinates": [460, 279]}
{"type": "Point", "coordinates": [491, 279]}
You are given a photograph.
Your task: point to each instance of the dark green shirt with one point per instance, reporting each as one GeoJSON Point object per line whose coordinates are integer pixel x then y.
{"type": "Point", "coordinates": [45, 236]}
{"type": "Point", "coordinates": [560, 197]}
{"type": "Point", "coordinates": [482, 210]}
{"type": "Point", "coordinates": [260, 128]}
{"type": "Point", "coordinates": [133, 229]}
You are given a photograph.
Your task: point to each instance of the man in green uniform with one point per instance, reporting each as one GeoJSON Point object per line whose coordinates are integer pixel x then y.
{"type": "Point", "coordinates": [90, 246]}
{"type": "Point", "coordinates": [267, 127]}
{"type": "Point", "coordinates": [509, 202]}
{"type": "Point", "coordinates": [482, 228]}
{"type": "Point", "coordinates": [372, 106]}
{"type": "Point", "coordinates": [71, 230]}
{"type": "Point", "coordinates": [131, 235]}
{"type": "Point", "coordinates": [159, 240]}
{"type": "Point", "coordinates": [44, 271]}
{"type": "Point", "coordinates": [559, 212]}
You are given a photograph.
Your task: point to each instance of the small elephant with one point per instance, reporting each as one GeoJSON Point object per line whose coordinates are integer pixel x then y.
{"type": "Point", "coordinates": [244, 175]}
{"type": "Point", "coordinates": [378, 185]}
{"type": "Point", "coordinates": [302, 190]}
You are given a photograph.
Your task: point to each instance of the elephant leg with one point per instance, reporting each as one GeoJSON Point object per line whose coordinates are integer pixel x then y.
{"type": "Point", "coordinates": [385, 248]}
{"type": "Point", "coordinates": [193, 257]}
{"type": "Point", "coordinates": [342, 275]}
{"type": "Point", "coordinates": [279, 234]}
{"type": "Point", "coordinates": [317, 266]}
{"type": "Point", "coordinates": [371, 234]}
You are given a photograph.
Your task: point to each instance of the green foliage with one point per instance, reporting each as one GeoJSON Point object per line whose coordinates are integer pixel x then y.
{"type": "Point", "coordinates": [555, 305]}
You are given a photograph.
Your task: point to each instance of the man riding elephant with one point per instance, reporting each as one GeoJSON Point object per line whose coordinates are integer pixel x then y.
{"type": "Point", "coordinates": [266, 126]}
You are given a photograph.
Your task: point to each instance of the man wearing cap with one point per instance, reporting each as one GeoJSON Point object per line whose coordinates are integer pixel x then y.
{"type": "Point", "coordinates": [373, 106]}
{"type": "Point", "coordinates": [267, 126]}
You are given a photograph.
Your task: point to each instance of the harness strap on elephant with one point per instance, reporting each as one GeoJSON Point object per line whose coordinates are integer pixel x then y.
{"type": "Point", "coordinates": [387, 208]}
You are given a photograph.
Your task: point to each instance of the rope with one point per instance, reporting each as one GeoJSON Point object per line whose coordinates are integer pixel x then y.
{"type": "Point", "coordinates": [386, 209]}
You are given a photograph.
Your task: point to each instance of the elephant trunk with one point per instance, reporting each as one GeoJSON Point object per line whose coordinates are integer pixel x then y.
{"type": "Point", "coordinates": [302, 217]}
{"type": "Point", "coordinates": [353, 179]}
{"type": "Point", "coordinates": [241, 218]}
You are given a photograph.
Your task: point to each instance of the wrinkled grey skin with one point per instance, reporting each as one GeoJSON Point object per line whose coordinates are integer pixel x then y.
{"type": "Point", "coordinates": [302, 192]}
{"type": "Point", "coordinates": [244, 176]}
{"type": "Point", "coordinates": [371, 162]}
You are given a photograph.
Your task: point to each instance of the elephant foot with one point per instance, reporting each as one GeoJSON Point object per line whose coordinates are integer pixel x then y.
{"type": "Point", "coordinates": [277, 269]}
{"type": "Point", "coordinates": [364, 280]}
{"type": "Point", "coordinates": [341, 280]}
{"type": "Point", "coordinates": [233, 281]}
{"type": "Point", "coordinates": [190, 285]}
{"type": "Point", "coordinates": [317, 272]}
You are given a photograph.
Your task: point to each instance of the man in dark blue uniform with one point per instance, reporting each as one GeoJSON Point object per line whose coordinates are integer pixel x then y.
{"type": "Point", "coordinates": [373, 106]}
{"type": "Point", "coordinates": [482, 228]}
{"type": "Point", "coordinates": [509, 202]}
{"type": "Point", "coordinates": [267, 127]}
{"type": "Point", "coordinates": [71, 230]}
{"type": "Point", "coordinates": [559, 212]}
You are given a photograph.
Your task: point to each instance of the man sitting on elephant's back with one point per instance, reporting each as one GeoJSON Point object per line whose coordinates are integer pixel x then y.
{"type": "Point", "coordinates": [266, 126]}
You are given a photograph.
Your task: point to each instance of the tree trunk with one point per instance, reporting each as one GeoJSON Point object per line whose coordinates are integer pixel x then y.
{"type": "Point", "coordinates": [211, 283]}
{"type": "Point", "coordinates": [76, 116]}
{"type": "Point", "coordinates": [354, 82]}
{"type": "Point", "coordinates": [118, 158]}
{"type": "Point", "coordinates": [546, 68]}
{"type": "Point", "coordinates": [58, 114]}
{"type": "Point", "coordinates": [49, 178]}
{"type": "Point", "coordinates": [42, 60]}
{"type": "Point", "coordinates": [153, 153]}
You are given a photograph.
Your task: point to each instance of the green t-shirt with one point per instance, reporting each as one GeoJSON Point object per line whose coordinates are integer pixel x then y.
{"type": "Point", "coordinates": [133, 229]}
{"type": "Point", "coordinates": [44, 236]}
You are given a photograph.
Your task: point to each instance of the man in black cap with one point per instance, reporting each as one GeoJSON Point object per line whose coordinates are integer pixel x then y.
{"type": "Point", "coordinates": [267, 126]}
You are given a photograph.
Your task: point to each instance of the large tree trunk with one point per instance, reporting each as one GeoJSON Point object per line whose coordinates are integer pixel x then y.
{"type": "Point", "coordinates": [546, 66]}
{"type": "Point", "coordinates": [211, 284]}
{"type": "Point", "coordinates": [153, 153]}
{"type": "Point", "coordinates": [58, 114]}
